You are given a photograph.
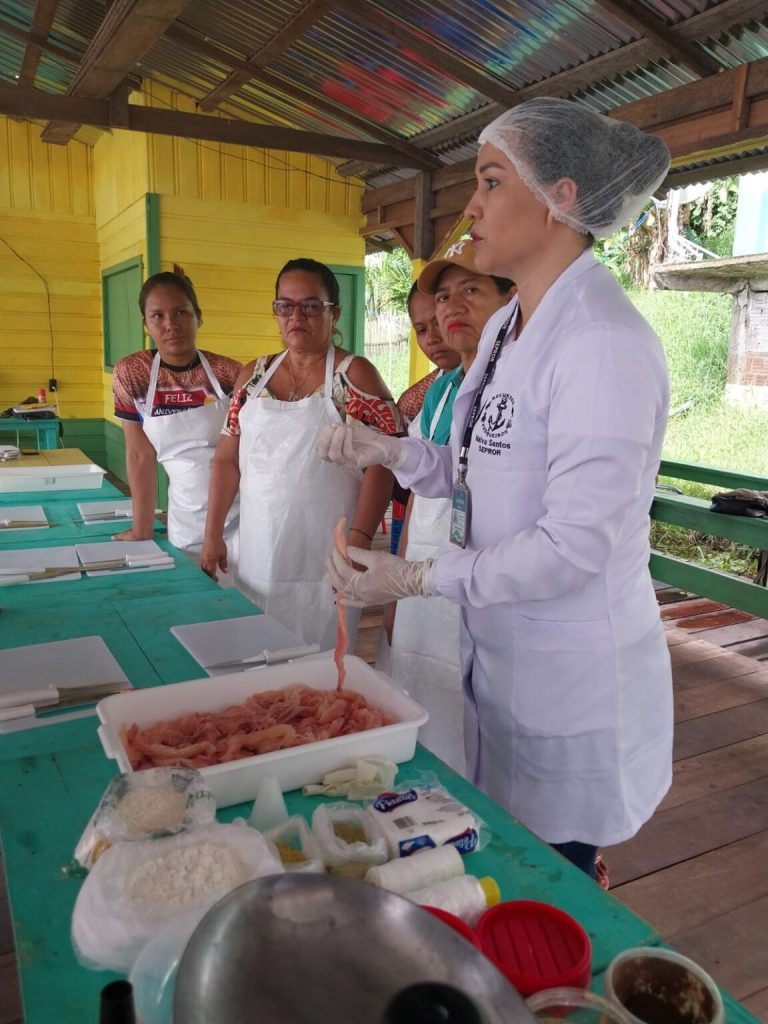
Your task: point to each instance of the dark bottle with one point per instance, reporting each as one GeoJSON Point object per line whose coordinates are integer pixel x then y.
{"type": "Point", "coordinates": [117, 1003]}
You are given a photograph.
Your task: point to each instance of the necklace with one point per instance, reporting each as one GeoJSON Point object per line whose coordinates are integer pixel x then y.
{"type": "Point", "coordinates": [294, 395]}
{"type": "Point", "coordinates": [180, 369]}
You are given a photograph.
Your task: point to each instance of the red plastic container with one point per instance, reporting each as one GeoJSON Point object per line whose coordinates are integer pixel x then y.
{"type": "Point", "coordinates": [456, 923]}
{"type": "Point", "coordinates": [537, 946]}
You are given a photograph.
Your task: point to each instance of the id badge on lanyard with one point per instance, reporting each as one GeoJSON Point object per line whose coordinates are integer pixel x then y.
{"type": "Point", "coordinates": [460, 494]}
{"type": "Point", "coordinates": [459, 513]}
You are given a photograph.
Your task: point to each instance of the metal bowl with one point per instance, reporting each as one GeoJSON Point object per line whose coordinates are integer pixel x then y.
{"type": "Point", "coordinates": [320, 949]}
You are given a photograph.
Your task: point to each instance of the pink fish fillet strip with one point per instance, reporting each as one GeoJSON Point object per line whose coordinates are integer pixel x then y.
{"type": "Point", "coordinates": [342, 632]}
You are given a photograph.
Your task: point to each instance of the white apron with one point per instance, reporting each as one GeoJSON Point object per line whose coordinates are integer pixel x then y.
{"type": "Point", "coordinates": [185, 443]}
{"type": "Point", "coordinates": [292, 501]}
{"type": "Point", "coordinates": [425, 656]}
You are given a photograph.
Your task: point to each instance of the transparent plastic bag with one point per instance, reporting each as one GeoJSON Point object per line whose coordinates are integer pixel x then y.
{"type": "Point", "coordinates": [151, 804]}
{"type": "Point", "coordinates": [296, 846]}
{"type": "Point", "coordinates": [420, 814]}
{"type": "Point", "coordinates": [350, 839]}
{"type": "Point", "coordinates": [135, 888]}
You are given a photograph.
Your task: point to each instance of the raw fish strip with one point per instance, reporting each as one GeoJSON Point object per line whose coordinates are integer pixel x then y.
{"type": "Point", "coordinates": [342, 632]}
{"type": "Point", "coordinates": [268, 721]}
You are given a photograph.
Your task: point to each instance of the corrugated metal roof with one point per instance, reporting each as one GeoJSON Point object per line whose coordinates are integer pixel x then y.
{"type": "Point", "coordinates": [363, 71]}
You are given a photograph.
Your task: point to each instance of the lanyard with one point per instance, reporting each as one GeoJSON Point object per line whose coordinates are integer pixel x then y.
{"type": "Point", "coordinates": [466, 440]}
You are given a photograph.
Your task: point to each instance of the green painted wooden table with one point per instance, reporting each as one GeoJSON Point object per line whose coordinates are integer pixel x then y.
{"type": "Point", "coordinates": [54, 776]}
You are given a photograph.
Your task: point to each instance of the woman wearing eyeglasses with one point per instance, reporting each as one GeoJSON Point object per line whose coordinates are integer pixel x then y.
{"type": "Point", "coordinates": [289, 501]}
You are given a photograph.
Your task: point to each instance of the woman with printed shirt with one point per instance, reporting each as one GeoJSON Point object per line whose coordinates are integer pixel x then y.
{"type": "Point", "coordinates": [425, 638]}
{"type": "Point", "coordinates": [556, 442]}
{"type": "Point", "coordinates": [289, 500]}
{"type": "Point", "coordinates": [172, 404]}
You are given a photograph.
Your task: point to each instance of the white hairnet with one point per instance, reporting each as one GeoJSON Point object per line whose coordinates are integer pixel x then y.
{"type": "Point", "coordinates": [616, 167]}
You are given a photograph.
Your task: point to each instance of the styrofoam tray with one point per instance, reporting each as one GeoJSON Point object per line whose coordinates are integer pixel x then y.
{"type": "Point", "coordinates": [236, 781]}
{"type": "Point", "coordinates": [62, 663]}
{"type": "Point", "coordinates": [28, 513]}
{"type": "Point", "coordinates": [227, 639]}
{"type": "Point", "coordinates": [30, 559]}
{"type": "Point", "coordinates": [104, 508]}
{"type": "Point", "coordinates": [104, 551]}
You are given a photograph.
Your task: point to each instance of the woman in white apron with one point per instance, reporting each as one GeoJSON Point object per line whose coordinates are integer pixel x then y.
{"type": "Point", "coordinates": [425, 656]}
{"type": "Point", "coordinates": [556, 442]}
{"type": "Point", "coordinates": [175, 417]}
{"type": "Point", "coordinates": [289, 501]}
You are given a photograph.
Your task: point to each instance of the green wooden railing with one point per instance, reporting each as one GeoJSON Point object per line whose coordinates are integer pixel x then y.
{"type": "Point", "coordinates": [695, 514]}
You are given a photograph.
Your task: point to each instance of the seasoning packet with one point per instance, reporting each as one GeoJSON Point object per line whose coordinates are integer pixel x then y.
{"type": "Point", "coordinates": [150, 804]}
{"type": "Point", "coordinates": [350, 840]}
{"type": "Point", "coordinates": [296, 846]}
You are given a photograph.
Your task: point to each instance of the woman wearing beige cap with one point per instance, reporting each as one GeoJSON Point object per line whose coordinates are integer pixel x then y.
{"type": "Point", "coordinates": [425, 639]}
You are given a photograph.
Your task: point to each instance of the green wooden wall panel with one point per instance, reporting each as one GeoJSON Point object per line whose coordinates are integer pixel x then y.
{"type": "Point", "coordinates": [89, 436]}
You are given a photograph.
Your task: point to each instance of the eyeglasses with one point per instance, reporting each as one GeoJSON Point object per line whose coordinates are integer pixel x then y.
{"type": "Point", "coordinates": [311, 307]}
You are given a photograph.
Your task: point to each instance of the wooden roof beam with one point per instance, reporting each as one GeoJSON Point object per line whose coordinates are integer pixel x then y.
{"type": "Point", "coordinates": [438, 56]}
{"type": "Point", "coordinates": [36, 105]}
{"type": "Point", "coordinates": [658, 32]}
{"type": "Point", "coordinates": [129, 30]}
{"type": "Point", "coordinates": [186, 37]}
{"type": "Point", "coordinates": [42, 19]}
{"type": "Point", "coordinates": [310, 13]}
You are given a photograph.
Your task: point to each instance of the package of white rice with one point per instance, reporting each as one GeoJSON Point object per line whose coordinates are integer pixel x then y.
{"type": "Point", "coordinates": [151, 804]}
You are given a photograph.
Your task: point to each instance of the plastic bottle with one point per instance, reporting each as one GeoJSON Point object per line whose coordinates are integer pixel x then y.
{"type": "Point", "coordinates": [420, 869]}
{"type": "Point", "coordinates": [41, 397]}
{"type": "Point", "coordinates": [466, 896]}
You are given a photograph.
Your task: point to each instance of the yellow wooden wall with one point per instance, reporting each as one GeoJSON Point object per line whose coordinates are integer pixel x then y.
{"type": "Point", "coordinates": [48, 250]}
{"type": "Point", "coordinates": [120, 185]}
{"type": "Point", "coordinates": [232, 216]}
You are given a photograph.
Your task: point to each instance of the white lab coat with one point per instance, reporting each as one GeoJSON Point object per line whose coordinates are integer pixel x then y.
{"type": "Point", "coordinates": [566, 671]}
{"type": "Point", "coordinates": [425, 655]}
{"type": "Point", "coordinates": [290, 502]}
{"type": "Point", "coordinates": [185, 444]}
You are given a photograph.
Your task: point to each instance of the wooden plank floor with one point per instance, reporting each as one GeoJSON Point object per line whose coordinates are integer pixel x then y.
{"type": "Point", "coordinates": [698, 871]}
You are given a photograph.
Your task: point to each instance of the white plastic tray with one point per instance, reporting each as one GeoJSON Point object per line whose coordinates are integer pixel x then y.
{"type": "Point", "coordinates": [236, 781]}
{"type": "Point", "coordinates": [47, 477]}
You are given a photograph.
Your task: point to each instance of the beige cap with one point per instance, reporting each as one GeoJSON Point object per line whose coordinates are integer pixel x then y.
{"type": "Point", "coordinates": [460, 254]}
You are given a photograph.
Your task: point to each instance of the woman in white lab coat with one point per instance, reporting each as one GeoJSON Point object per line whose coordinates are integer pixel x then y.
{"type": "Point", "coordinates": [556, 442]}
{"type": "Point", "coordinates": [425, 655]}
{"type": "Point", "coordinates": [172, 403]}
{"type": "Point", "coordinates": [289, 500]}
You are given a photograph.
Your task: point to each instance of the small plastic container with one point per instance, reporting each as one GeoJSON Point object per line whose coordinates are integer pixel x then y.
{"type": "Point", "coordinates": [537, 946]}
{"type": "Point", "coordinates": [651, 984]}
{"type": "Point", "coordinates": [456, 923]}
{"type": "Point", "coordinates": [574, 1005]}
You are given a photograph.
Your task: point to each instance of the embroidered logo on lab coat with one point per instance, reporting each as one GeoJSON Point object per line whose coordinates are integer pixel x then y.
{"type": "Point", "coordinates": [494, 423]}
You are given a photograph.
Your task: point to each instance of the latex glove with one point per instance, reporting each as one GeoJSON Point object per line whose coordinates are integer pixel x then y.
{"type": "Point", "coordinates": [364, 780]}
{"type": "Point", "coordinates": [387, 577]}
{"type": "Point", "coordinates": [359, 446]}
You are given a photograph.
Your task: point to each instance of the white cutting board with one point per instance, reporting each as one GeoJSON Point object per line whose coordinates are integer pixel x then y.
{"type": "Point", "coordinates": [28, 512]}
{"type": "Point", "coordinates": [108, 549]}
{"type": "Point", "coordinates": [92, 507]}
{"type": "Point", "coordinates": [87, 659]}
{"type": "Point", "coordinates": [41, 558]}
{"type": "Point", "coordinates": [227, 639]}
